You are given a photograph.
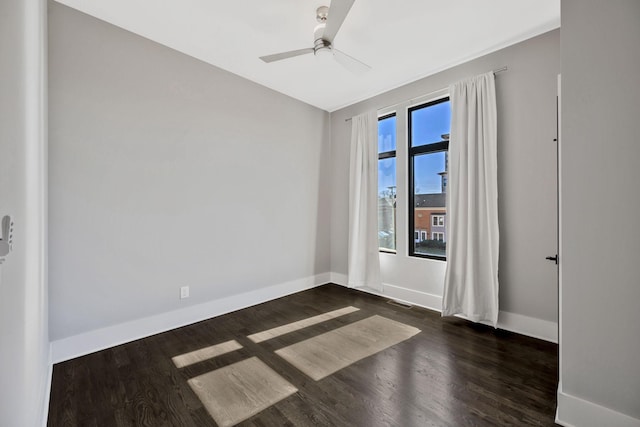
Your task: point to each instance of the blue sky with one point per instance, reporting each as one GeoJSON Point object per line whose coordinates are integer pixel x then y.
{"type": "Point", "coordinates": [427, 126]}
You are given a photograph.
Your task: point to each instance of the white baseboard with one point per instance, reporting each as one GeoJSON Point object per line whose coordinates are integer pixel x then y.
{"type": "Point", "coordinates": [92, 341]}
{"type": "Point", "coordinates": [338, 278]}
{"type": "Point", "coordinates": [575, 412]}
{"type": "Point", "coordinates": [411, 296]}
{"type": "Point", "coordinates": [529, 326]}
{"type": "Point", "coordinates": [524, 325]}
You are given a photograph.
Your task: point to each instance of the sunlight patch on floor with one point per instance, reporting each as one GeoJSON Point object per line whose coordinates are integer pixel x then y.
{"type": "Point", "coordinates": [327, 353]}
{"type": "Point", "coordinates": [237, 392]}
{"type": "Point", "coordinates": [202, 354]}
{"type": "Point", "coordinates": [300, 324]}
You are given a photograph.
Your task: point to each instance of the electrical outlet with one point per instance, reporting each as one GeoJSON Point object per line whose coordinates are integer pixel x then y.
{"type": "Point", "coordinates": [184, 292]}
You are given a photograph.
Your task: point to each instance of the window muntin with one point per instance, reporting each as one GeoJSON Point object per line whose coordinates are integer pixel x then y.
{"type": "Point", "coordinates": [387, 183]}
{"type": "Point", "coordinates": [429, 126]}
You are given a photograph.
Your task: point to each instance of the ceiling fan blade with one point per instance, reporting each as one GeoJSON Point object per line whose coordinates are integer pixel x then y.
{"type": "Point", "coordinates": [337, 13]}
{"type": "Point", "coordinates": [349, 62]}
{"type": "Point", "coordinates": [285, 55]}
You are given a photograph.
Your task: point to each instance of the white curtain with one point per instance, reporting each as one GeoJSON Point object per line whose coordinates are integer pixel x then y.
{"type": "Point", "coordinates": [471, 279]}
{"type": "Point", "coordinates": [364, 261]}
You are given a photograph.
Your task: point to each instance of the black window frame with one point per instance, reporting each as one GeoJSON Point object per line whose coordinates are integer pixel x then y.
{"type": "Point", "coordinates": [412, 153]}
{"type": "Point", "coordinates": [388, 155]}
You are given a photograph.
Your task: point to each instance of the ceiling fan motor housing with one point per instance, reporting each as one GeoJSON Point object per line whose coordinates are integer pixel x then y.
{"type": "Point", "coordinates": [320, 45]}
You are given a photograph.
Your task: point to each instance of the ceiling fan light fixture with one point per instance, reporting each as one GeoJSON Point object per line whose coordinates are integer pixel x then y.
{"type": "Point", "coordinates": [324, 50]}
{"type": "Point", "coordinates": [321, 47]}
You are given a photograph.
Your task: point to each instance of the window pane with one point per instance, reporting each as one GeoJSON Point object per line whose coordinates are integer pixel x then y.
{"type": "Point", "coordinates": [387, 203]}
{"type": "Point", "coordinates": [430, 124]}
{"type": "Point", "coordinates": [387, 134]}
{"type": "Point", "coordinates": [430, 171]}
{"type": "Point", "coordinates": [387, 183]}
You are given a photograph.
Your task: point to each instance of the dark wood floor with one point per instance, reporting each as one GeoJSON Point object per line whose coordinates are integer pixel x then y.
{"type": "Point", "coordinates": [453, 373]}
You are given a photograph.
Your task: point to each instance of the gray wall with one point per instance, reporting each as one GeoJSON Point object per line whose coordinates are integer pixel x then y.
{"type": "Point", "coordinates": [165, 172]}
{"type": "Point", "coordinates": [600, 319]}
{"type": "Point", "coordinates": [526, 96]}
{"type": "Point", "coordinates": [24, 342]}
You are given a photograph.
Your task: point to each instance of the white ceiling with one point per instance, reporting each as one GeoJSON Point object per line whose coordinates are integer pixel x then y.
{"type": "Point", "coordinates": [401, 40]}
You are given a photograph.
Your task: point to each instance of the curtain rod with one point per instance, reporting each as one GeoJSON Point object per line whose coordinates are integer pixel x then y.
{"type": "Point", "coordinates": [496, 71]}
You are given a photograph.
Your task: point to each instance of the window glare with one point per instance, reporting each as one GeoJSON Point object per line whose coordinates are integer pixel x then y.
{"type": "Point", "coordinates": [387, 134]}
{"type": "Point", "coordinates": [387, 183]}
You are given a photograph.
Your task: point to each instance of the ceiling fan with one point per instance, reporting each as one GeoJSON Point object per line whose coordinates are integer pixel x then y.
{"type": "Point", "coordinates": [330, 21]}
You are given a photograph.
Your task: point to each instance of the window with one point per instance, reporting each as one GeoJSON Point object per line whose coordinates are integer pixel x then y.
{"type": "Point", "coordinates": [437, 220]}
{"type": "Point", "coordinates": [429, 127]}
{"type": "Point", "coordinates": [387, 183]}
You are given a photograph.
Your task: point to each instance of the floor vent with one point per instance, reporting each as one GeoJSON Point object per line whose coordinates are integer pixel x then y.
{"type": "Point", "coordinates": [400, 304]}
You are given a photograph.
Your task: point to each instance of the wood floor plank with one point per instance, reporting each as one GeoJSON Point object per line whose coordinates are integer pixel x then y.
{"type": "Point", "coordinates": [453, 373]}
